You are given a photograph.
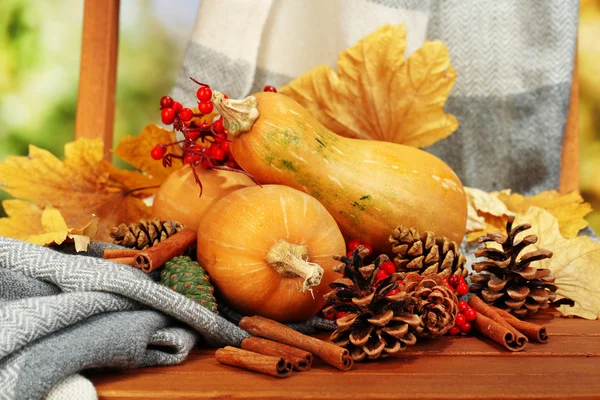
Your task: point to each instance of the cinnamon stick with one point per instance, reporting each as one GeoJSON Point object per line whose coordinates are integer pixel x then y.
{"type": "Point", "coordinates": [123, 260]}
{"type": "Point", "coordinates": [155, 257]}
{"type": "Point", "coordinates": [119, 253]}
{"type": "Point", "coordinates": [274, 366]}
{"type": "Point", "coordinates": [301, 360]}
{"type": "Point", "coordinates": [533, 332]}
{"type": "Point", "coordinates": [326, 351]}
{"type": "Point", "coordinates": [492, 325]}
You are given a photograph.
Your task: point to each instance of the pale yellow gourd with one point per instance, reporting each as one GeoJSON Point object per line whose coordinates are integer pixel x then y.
{"type": "Point", "coordinates": [368, 186]}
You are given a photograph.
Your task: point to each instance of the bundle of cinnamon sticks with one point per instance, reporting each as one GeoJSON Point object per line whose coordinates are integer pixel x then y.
{"type": "Point", "coordinates": [156, 256]}
{"type": "Point", "coordinates": [276, 350]}
{"type": "Point", "coordinates": [503, 328]}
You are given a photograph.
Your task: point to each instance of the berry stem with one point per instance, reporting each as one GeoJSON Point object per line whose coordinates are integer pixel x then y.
{"type": "Point", "coordinates": [238, 115]}
{"type": "Point", "coordinates": [291, 260]}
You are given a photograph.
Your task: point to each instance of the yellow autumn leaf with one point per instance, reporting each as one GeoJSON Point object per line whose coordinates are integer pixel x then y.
{"type": "Point", "coordinates": [575, 263]}
{"type": "Point", "coordinates": [56, 231]}
{"type": "Point", "coordinates": [135, 150]}
{"type": "Point", "coordinates": [78, 187]}
{"type": "Point", "coordinates": [489, 212]}
{"type": "Point", "coordinates": [378, 94]}
{"type": "Point", "coordinates": [24, 219]}
{"type": "Point", "coordinates": [569, 209]}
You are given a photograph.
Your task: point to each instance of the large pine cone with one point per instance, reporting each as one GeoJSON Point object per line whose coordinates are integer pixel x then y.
{"type": "Point", "coordinates": [435, 303]}
{"type": "Point", "coordinates": [426, 254]}
{"type": "Point", "coordinates": [506, 279]}
{"type": "Point", "coordinates": [144, 234]}
{"type": "Point", "coordinates": [384, 316]}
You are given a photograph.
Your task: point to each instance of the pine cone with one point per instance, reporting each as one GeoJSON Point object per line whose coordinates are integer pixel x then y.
{"type": "Point", "coordinates": [376, 325]}
{"type": "Point", "coordinates": [144, 234]}
{"type": "Point", "coordinates": [425, 255]}
{"type": "Point", "coordinates": [188, 278]}
{"type": "Point", "coordinates": [435, 303]}
{"type": "Point", "coordinates": [507, 280]}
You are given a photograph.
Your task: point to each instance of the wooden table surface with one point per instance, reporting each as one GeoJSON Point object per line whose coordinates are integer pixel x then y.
{"type": "Point", "coordinates": [567, 367]}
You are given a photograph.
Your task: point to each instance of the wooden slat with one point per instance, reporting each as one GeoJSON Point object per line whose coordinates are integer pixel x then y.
{"type": "Point", "coordinates": [450, 367]}
{"type": "Point", "coordinates": [569, 168]}
{"type": "Point", "coordinates": [97, 77]}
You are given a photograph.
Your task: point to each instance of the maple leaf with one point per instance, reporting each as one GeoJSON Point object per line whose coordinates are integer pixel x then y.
{"type": "Point", "coordinates": [78, 187]}
{"type": "Point", "coordinates": [377, 94]}
{"type": "Point", "coordinates": [135, 150]}
{"type": "Point", "coordinates": [575, 263]}
{"type": "Point", "coordinates": [57, 232]}
{"type": "Point", "coordinates": [488, 212]}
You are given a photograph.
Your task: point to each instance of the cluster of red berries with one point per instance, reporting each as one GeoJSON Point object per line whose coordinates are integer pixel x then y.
{"type": "Point", "coordinates": [458, 284]}
{"type": "Point", "coordinates": [216, 155]}
{"type": "Point", "coordinates": [465, 316]}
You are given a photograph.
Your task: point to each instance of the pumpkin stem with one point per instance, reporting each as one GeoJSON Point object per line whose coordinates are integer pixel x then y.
{"type": "Point", "coordinates": [291, 260]}
{"type": "Point", "coordinates": [238, 115]}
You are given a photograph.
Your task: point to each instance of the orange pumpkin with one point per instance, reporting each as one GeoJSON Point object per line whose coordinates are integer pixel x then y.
{"type": "Point", "coordinates": [269, 251]}
{"type": "Point", "coordinates": [368, 186]}
{"type": "Point", "coordinates": [178, 197]}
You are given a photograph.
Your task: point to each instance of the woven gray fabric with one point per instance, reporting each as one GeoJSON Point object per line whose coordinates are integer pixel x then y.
{"type": "Point", "coordinates": [61, 313]}
{"type": "Point", "coordinates": [514, 61]}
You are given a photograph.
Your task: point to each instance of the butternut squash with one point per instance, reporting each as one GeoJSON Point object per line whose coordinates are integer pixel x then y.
{"type": "Point", "coordinates": [369, 187]}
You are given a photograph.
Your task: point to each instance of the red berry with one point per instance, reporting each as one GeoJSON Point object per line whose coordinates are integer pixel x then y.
{"type": "Point", "coordinates": [269, 88]}
{"type": "Point", "coordinates": [205, 164]}
{"type": "Point", "coordinates": [205, 107]}
{"type": "Point", "coordinates": [204, 93]}
{"type": "Point", "coordinates": [400, 281]}
{"type": "Point", "coordinates": [462, 279]}
{"type": "Point", "coordinates": [368, 247]}
{"type": "Point", "coordinates": [462, 289]}
{"type": "Point", "coordinates": [381, 274]}
{"type": "Point", "coordinates": [219, 154]}
{"type": "Point", "coordinates": [166, 102]}
{"type": "Point", "coordinates": [454, 331]}
{"type": "Point", "coordinates": [353, 244]}
{"type": "Point", "coordinates": [462, 306]}
{"type": "Point", "coordinates": [221, 137]}
{"type": "Point", "coordinates": [389, 267]}
{"type": "Point", "coordinates": [460, 320]}
{"type": "Point", "coordinates": [232, 164]}
{"type": "Point", "coordinates": [470, 314]}
{"type": "Point", "coordinates": [454, 281]}
{"type": "Point", "coordinates": [218, 125]}
{"type": "Point", "coordinates": [186, 114]}
{"type": "Point", "coordinates": [158, 152]}
{"type": "Point", "coordinates": [177, 107]}
{"type": "Point", "coordinates": [191, 158]}
{"type": "Point", "coordinates": [465, 328]}
{"type": "Point", "coordinates": [225, 146]}
{"type": "Point", "coordinates": [393, 292]}
{"type": "Point", "coordinates": [340, 314]}
{"type": "Point", "coordinates": [167, 115]}
{"type": "Point", "coordinates": [330, 317]}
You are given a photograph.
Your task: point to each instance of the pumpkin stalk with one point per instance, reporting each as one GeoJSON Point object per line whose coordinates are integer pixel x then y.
{"type": "Point", "coordinates": [291, 260]}
{"type": "Point", "coordinates": [238, 115]}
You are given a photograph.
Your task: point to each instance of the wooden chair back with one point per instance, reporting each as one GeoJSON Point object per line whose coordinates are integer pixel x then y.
{"type": "Point", "coordinates": [97, 87]}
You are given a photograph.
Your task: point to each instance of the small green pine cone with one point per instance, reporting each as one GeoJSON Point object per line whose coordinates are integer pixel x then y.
{"type": "Point", "coordinates": [188, 278]}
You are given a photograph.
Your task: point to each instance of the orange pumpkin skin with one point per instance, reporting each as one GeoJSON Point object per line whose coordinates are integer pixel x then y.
{"type": "Point", "coordinates": [368, 186]}
{"type": "Point", "coordinates": [243, 228]}
{"type": "Point", "coordinates": [178, 197]}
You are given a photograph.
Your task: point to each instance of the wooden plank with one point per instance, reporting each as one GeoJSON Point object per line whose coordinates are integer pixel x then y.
{"type": "Point", "coordinates": [98, 71]}
{"type": "Point", "coordinates": [452, 378]}
{"type": "Point", "coordinates": [569, 166]}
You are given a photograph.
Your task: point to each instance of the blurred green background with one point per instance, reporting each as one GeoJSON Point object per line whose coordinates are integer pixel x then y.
{"type": "Point", "coordinates": [40, 44]}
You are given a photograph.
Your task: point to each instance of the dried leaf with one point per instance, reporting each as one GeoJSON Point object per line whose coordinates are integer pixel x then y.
{"type": "Point", "coordinates": [24, 219]}
{"type": "Point", "coordinates": [56, 231]}
{"type": "Point", "coordinates": [569, 209]}
{"type": "Point", "coordinates": [135, 150]}
{"type": "Point", "coordinates": [489, 212]}
{"type": "Point", "coordinates": [575, 263]}
{"type": "Point", "coordinates": [78, 187]}
{"type": "Point", "coordinates": [377, 94]}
